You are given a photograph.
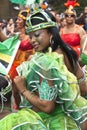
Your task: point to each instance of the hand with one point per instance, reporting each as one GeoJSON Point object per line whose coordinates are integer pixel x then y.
{"type": "Point", "coordinates": [20, 35]}
{"type": "Point", "coordinates": [20, 83]}
{"type": "Point", "coordinates": [0, 27]}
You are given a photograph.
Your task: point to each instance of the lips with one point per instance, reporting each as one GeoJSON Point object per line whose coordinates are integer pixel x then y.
{"type": "Point", "coordinates": [36, 46]}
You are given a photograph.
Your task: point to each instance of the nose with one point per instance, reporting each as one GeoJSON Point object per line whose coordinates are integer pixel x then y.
{"type": "Point", "coordinates": [33, 39]}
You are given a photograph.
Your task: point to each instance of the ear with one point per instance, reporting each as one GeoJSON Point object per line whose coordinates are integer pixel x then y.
{"type": "Point", "coordinates": [51, 40]}
{"type": "Point", "coordinates": [51, 36]}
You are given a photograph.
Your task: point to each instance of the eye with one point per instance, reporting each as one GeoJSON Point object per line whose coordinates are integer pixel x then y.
{"type": "Point", "coordinates": [37, 34]}
{"type": "Point", "coordinates": [30, 36]}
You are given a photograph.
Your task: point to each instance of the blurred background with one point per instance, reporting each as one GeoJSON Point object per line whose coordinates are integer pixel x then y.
{"type": "Point", "coordinates": [10, 9]}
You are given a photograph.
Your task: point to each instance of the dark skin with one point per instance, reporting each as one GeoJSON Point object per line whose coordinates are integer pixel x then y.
{"type": "Point", "coordinates": [2, 36]}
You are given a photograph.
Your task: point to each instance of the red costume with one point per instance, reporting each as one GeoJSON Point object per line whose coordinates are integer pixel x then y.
{"type": "Point", "coordinates": [71, 2]}
{"type": "Point", "coordinates": [24, 51]}
{"type": "Point", "coordinates": [72, 39]}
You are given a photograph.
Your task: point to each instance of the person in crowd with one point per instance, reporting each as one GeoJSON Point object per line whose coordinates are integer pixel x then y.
{"type": "Point", "coordinates": [57, 16]}
{"type": "Point", "coordinates": [50, 95]}
{"type": "Point", "coordinates": [25, 49]}
{"type": "Point", "coordinates": [62, 22]}
{"type": "Point", "coordinates": [72, 33]}
{"type": "Point", "coordinates": [81, 19]}
{"type": "Point", "coordinates": [8, 30]}
{"type": "Point", "coordinates": [2, 36]}
{"type": "Point", "coordinates": [85, 24]}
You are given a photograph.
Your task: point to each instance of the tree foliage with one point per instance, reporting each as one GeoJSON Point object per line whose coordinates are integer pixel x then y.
{"type": "Point", "coordinates": [59, 6]}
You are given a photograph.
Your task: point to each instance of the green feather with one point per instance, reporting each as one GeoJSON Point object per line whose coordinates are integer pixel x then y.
{"type": "Point", "coordinates": [30, 2]}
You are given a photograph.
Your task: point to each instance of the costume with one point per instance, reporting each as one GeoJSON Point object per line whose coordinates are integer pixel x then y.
{"type": "Point", "coordinates": [72, 39]}
{"type": "Point", "coordinates": [24, 51]}
{"type": "Point", "coordinates": [83, 55]}
{"type": "Point", "coordinates": [25, 48]}
{"type": "Point", "coordinates": [70, 107]}
{"type": "Point", "coordinates": [5, 93]}
{"type": "Point", "coordinates": [83, 58]}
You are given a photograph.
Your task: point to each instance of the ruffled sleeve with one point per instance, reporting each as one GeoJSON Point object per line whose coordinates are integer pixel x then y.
{"type": "Point", "coordinates": [65, 90]}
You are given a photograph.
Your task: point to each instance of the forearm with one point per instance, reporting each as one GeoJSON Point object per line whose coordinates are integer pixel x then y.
{"type": "Point", "coordinates": [16, 95]}
{"type": "Point", "coordinates": [2, 36]}
{"type": "Point", "coordinates": [42, 105]}
{"type": "Point", "coordinates": [83, 88]}
{"type": "Point", "coordinates": [81, 77]}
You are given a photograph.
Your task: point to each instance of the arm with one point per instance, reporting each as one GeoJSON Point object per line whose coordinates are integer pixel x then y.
{"type": "Point", "coordinates": [81, 80]}
{"type": "Point", "coordinates": [79, 74]}
{"type": "Point", "coordinates": [83, 47]}
{"type": "Point", "coordinates": [42, 105]}
{"type": "Point", "coordinates": [83, 40]}
{"type": "Point", "coordinates": [81, 33]}
{"type": "Point", "coordinates": [2, 36]}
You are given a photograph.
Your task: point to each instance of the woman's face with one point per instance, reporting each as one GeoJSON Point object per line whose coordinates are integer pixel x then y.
{"type": "Point", "coordinates": [70, 18]}
{"type": "Point", "coordinates": [20, 23]}
{"type": "Point", "coordinates": [11, 21]}
{"type": "Point", "coordinates": [40, 39]}
{"type": "Point", "coordinates": [63, 22]}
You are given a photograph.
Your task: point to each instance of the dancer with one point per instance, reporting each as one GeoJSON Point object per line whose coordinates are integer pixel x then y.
{"type": "Point", "coordinates": [72, 33]}
{"type": "Point", "coordinates": [25, 48]}
{"type": "Point", "coordinates": [45, 84]}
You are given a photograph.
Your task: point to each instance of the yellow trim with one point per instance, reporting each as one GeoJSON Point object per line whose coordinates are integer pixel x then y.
{"type": "Point", "coordinates": [21, 16]}
{"type": "Point", "coordinates": [5, 57]}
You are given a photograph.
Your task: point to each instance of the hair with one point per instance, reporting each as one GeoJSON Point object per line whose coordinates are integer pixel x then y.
{"type": "Point", "coordinates": [24, 13]}
{"type": "Point", "coordinates": [3, 82]}
{"type": "Point", "coordinates": [9, 18]}
{"type": "Point", "coordinates": [58, 42]}
{"type": "Point", "coordinates": [71, 54]}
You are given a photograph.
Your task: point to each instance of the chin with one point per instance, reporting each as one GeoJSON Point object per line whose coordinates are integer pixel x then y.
{"type": "Point", "coordinates": [37, 50]}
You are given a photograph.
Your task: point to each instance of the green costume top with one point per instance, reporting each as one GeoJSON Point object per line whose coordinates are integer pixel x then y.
{"type": "Point", "coordinates": [71, 108]}
{"type": "Point", "coordinates": [84, 58]}
{"type": "Point", "coordinates": [65, 91]}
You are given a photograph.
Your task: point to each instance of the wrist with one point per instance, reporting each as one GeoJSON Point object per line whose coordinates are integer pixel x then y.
{"type": "Point", "coordinates": [27, 94]}
{"type": "Point", "coordinates": [23, 91]}
{"type": "Point", "coordinates": [81, 79]}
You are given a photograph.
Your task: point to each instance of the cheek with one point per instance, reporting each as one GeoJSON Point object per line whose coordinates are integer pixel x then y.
{"type": "Point", "coordinates": [20, 21]}
{"type": "Point", "coordinates": [20, 25]}
{"type": "Point", "coordinates": [44, 41]}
